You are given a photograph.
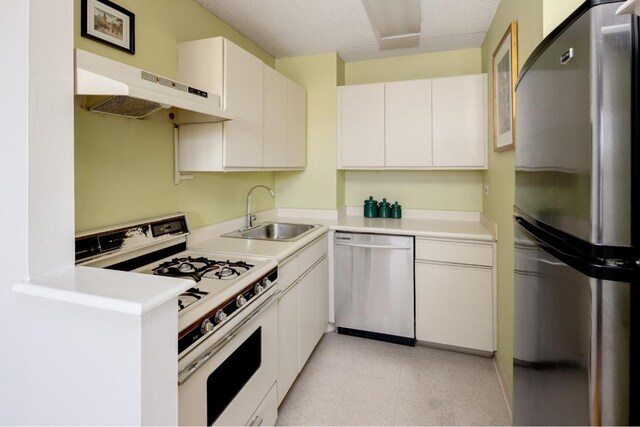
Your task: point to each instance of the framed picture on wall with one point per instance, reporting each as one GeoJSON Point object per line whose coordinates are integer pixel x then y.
{"type": "Point", "coordinates": [106, 22]}
{"type": "Point", "coordinates": [505, 71]}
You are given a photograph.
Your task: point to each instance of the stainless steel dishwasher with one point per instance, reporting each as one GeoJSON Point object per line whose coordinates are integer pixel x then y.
{"type": "Point", "coordinates": [374, 292]}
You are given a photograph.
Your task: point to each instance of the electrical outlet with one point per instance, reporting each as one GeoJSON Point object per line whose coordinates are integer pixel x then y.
{"type": "Point", "coordinates": [486, 190]}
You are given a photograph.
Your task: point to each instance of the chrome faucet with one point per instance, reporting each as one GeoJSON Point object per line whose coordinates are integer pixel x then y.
{"type": "Point", "coordinates": [250, 216]}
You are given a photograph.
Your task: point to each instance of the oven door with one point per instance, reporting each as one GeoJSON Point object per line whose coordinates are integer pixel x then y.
{"type": "Point", "coordinates": [225, 381]}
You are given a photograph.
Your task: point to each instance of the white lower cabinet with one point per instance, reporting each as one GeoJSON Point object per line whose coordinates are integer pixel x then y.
{"type": "Point", "coordinates": [314, 308]}
{"type": "Point", "coordinates": [303, 310]}
{"type": "Point", "coordinates": [288, 339]}
{"type": "Point", "coordinates": [454, 294]}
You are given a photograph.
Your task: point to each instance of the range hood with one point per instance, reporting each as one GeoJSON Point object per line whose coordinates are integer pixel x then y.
{"type": "Point", "coordinates": [122, 90]}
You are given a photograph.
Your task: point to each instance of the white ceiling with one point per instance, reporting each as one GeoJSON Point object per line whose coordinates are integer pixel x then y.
{"type": "Point", "coordinates": [304, 27]}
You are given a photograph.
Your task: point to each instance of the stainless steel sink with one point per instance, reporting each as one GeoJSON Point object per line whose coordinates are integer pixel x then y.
{"type": "Point", "coordinates": [278, 231]}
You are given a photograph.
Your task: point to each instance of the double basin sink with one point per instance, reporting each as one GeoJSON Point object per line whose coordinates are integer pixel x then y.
{"type": "Point", "coordinates": [274, 231]}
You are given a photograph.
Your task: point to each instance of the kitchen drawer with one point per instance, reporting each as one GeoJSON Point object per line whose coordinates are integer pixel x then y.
{"type": "Point", "coordinates": [267, 412]}
{"type": "Point", "coordinates": [288, 273]}
{"type": "Point", "coordinates": [313, 253]}
{"type": "Point", "coordinates": [454, 252]}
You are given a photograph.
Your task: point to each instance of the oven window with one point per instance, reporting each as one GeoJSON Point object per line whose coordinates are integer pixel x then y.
{"type": "Point", "coordinates": [228, 379]}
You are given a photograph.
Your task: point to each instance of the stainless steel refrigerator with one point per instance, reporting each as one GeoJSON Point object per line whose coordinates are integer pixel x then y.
{"type": "Point", "coordinates": [577, 223]}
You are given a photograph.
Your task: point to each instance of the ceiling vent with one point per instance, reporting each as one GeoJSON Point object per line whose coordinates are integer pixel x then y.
{"type": "Point", "coordinates": [396, 24]}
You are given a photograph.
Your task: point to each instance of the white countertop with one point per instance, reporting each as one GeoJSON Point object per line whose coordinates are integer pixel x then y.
{"type": "Point", "coordinates": [122, 291]}
{"type": "Point", "coordinates": [278, 250]}
{"type": "Point", "coordinates": [419, 227]}
{"type": "Point", "coordinates": [457, 229]}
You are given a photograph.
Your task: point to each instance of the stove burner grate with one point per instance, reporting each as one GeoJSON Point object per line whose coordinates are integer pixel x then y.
{"type": "Point", "coordinates": [199, 267]}
{"type": "Point", "coordinates": [189, 297]}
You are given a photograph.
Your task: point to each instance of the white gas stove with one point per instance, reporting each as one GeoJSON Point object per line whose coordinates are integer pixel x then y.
{"type": "Point", "coordinates": [224, 285]}
{"type": "Point", "coordinates": [228, 323]}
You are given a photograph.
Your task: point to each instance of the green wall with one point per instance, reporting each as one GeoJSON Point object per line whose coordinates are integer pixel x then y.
{"type": "Point", "coordinates": [124, 167]}
{"type": "Point", "coordinates": [535, 19]}
{"type": "Point", "coordinates": [554, 12]}
{"type": "Point", "coordinates": [438, 190]}
{"type": "Point", "coordinates": [320, 185]}
{"type": "Point", "coordinates": [421, 66]}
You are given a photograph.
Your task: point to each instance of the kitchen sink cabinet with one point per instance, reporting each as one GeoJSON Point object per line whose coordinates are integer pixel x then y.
{"type": "Point", "coordinates": [417, 124]}
{"type": "Point", "coordinates": [288, 339]}
{"type": "Point", "coordinates": [269, 126]}
{"type": "Point", "coordinates": [361, 126]}
{"type": "Point", "coordinates": [455, 298]}
{"type": "Point", "coordinates": [314, 308]}
{"type": "Point", "coordinates": [303, 310]}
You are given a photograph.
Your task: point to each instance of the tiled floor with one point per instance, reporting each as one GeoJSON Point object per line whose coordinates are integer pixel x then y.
{"type": "Point", "coordinates": [356, 381]}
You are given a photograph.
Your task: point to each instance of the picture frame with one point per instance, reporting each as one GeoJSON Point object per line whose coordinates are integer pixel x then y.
{"type": "Point", "coordinates": [505, 72]}
{"type": "Point", "coordinates": [109, 23]}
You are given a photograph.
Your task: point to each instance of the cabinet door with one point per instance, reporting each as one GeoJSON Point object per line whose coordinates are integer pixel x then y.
{"type": "Point", "coordinates": [288, 340]}
{"type": "Point", "coordinates": [242, 96]}
{"type": "Point", "coordinates": [274, 125]}
{"type": "Point", "coordinates": [314, 308]}
{"type": "Point", "coordinates": [361, 126]}
{"type": "Point", "coordinates": [454, 306]}
{"type": "Point", "coordinates": [296, 125]}
{"type": "Point", "coordinates": [459, 121]}
{"type": "Point", "coordinates": [408, 124]}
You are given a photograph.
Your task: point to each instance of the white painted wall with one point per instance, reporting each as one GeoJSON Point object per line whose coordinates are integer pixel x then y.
{"type": "Point", "coordinates": [51, 70]}
{"type": "Point", "coordinates": [14, 181]}
{"type": "Point", "coordinates": [36, 180]}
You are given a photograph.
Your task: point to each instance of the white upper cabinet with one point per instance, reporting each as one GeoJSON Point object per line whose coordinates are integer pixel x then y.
{"type": "Point", "coordinates": [460, 121]}
{"type": "Point", "coordinates": [361, 126]}
{"type": "Point", "coordinates": [296, 125]}
{"type": "Point", "coordinates": [243, 95]}
{"type": "Point", "coordinates": [408, 124]}
{"type": "Point", "coordinates": [417, 124]}
{"type": "Point", "coordinates": [274, 129]}
{"type": "Point", "coordinates": [262, 101]}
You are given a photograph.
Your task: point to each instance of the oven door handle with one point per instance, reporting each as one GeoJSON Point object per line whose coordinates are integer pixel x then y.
{"type": "Point", "coordinates": [191, 369]}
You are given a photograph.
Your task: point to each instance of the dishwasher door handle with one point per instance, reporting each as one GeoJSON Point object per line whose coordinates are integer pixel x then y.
{"type": "Point", "coordinates": [365, 245]}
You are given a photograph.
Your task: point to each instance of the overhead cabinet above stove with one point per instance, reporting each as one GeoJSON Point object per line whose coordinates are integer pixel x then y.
{"type": "Point", "coordinates": [416, 124]}
{"type": "Point", "coordinates": [269, 129]}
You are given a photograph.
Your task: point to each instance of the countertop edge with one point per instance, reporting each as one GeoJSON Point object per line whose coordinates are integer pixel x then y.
{"type": "Point", "coordinates": [49, 287]}
{"type": "Point", "coordinates": [434, 234]}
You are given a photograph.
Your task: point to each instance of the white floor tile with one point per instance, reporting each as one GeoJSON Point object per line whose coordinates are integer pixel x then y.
{"type": "Point", "coordinates": [356, 381]}
{"type": "Point", "coordinates": [364, 414]}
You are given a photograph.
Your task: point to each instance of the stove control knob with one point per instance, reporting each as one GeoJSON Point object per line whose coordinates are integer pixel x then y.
{"type": "Point", "coordinates": [240, 301]}
{"type": "Point", "coordinates": [207, 326]}
{"type": "Point", "coordinates": [258, 289]}
{"type": "Point", "coordinates": [266, 282]}
{"type": "Point", "coordinates": [220, 317]}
